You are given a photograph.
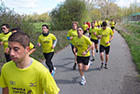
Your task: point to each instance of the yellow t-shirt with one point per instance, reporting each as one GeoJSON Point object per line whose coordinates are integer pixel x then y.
{"type": "Point", "coordinates": [47, 42]}
{"type": "Point", "coordinates": [82, 45]}
{"type": "Point", "coordinates": [105, 35]}
{"type": "Point", "coordinates": [92, 30]}
{"type": "Point", "coordinates": [72, 33]}
{"type": "Point", "coordinates": [33, 80]}
{"type": "Point", "coordinates": [31, 46]}
{"type": "Point", "coordinates": [96, 24]}
{"type": "Point", "coordinates": [84, 26]}
{"type": "Point", "coordinates": [1, 34]}
{"type": "Point", "coordinates": [106, 21]}
{"type": "Point", "coordinates": [4, 39]}
{"type": "Point", "coordinates": [112, 24]}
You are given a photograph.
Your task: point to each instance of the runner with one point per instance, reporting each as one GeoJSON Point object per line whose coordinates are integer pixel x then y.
{"type": "Point", "coordinates": [112, 23]}
{"type": "Point", "coordinates": [4, 41]}
{"type": "Point", "coordinates": [94, 39]}
{"type": "Point", "coordinates": [83, 46]}
{"type": "Point", "coordinates": [32, 47]}
{"type": "Point", "coordinates": [104, 34]}
{"type": "Point", "coordinates": [85, 28]}
{"type": "Point", "coordinates": [70, 36]}
{"type": "Point", "coordinates": [88, 26]}
{"type": "Point", "coordinates": [48, 42]}
{"type": "Point", "coordinates": [25, 75]}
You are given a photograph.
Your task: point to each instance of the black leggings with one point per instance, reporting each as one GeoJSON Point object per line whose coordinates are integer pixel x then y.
{"type": "Point", "coordinates": [48, 57]}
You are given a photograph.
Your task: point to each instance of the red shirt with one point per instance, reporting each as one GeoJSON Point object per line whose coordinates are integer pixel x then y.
{"type": "Point", "coordinates": [88, 24]}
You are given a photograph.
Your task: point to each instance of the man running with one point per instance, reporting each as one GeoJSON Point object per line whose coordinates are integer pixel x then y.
{"type": "Point", "coordinates": [4, 40]}
{"type": "Point", "coordinates": [48, 42]}
{"type": "Point", "coordinates": [23, 74]}
{"type": "Point", "coordinates": [94, 39]}
{"type": "Point", "coordinates": [112, 23]}
{"type": "Point", "coordinates": [88, 25]}
{"type": "Point", "coordinates": [70, 36]}
{"type": "Point", "coordinates": [85, 28]}
{"type": "Point", "coordinates": [104, 34]}
{"type": "Point", "coordinates": [83, 46]}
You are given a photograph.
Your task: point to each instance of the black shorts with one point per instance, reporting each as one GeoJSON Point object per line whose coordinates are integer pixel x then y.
{"type": "Point", "coordinates": [106, 49]}
{"type": "Point", "coordinates": [85, 32]}
{"type": "Point", "coordinates": [83, 60]}
{"type": "Point", "coordinates": [112, 28]}
{"type": "Point", "coordinates": [95, 41]}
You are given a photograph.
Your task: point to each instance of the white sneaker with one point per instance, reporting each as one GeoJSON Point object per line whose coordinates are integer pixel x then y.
{"type": "Point", "coordinates": [54, 68]}
{"type": "Point", "coordinates": [83, 81]}
{"type": "Point", "coordinates": [90, 63]}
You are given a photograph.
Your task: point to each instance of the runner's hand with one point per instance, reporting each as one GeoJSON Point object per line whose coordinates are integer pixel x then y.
{"type": "Point", "coordinates": [1, 43]}
{"type": "Point", "coordinates": [84, 53]}
{"type": "Point", "coordinates": [71, 38]}
{"type": "Point", "coordinates": [39, 44]}
{"type": "Point", "coordinates": [52, 46]}
{"type": "Point", "coordinates": [107, 42]}
{"type": "Point", "coordinates": [7, 51]}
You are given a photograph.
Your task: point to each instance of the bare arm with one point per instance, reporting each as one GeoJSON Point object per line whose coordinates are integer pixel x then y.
{"type": "Point", "coordinates": [31, 51]}
{"type": "Point", "coordinates": [85, 52]}
{"type": "Point", "coordinates": [5, 90]}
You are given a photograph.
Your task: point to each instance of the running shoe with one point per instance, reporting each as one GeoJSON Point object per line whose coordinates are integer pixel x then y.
{"type": "Point", "coordinates": [96, 50]}
{"type": "Point", "coordinates": [102, 66]}
{"type": "Point", "coordinates": [83, 81]}
{"type": "Point", "coordinates": [106, 66]}
{"type": "Point", "coordinates": [74, 66]}
{"type": "Point", "coordinates": [54, 68]}
{"type": "Point", "coordinates": [53, 73]}
{"type": "Point", "coordinates": [93, 58]}
{"type": "Point", "coordinates": [90, 63]}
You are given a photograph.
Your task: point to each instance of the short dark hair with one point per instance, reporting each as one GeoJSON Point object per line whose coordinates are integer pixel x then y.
{"type": "Point", "coordinates": [7, 25]}
{"type": "Point", "coordinates": [104, 23]}
{"type": "Point", "coordinates": [20, 37]}
{"type": "Point", "coordinates": [46, 26]}
{"type": "Point", "coordinates": [80, 27]}
{"type": "Point", "coordinates": [16, 28]}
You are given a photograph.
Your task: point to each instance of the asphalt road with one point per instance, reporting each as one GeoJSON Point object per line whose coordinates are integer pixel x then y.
{"type": "Point", "coordinates": [119, 78]}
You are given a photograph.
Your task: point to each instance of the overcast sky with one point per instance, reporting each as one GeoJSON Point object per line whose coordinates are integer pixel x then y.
{"type": "Point", "coordinates": [41, 6]}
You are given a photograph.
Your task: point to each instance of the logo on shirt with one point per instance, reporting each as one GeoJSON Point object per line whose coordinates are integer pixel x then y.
{"type": "Point", "coordinates": [16, 90]}
{"type": "Point", "coordinates": [12, 83]}
{"type": "Point", "coordinates": [32, 84]}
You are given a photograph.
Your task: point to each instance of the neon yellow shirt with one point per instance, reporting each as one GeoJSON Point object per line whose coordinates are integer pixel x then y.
{"type": "Point", "coordinates": [47, 42]}
{"type": "Point", "coordinates": [112, 24]}
{"type": "Point", "coordinates": [96, 24]}
{"type": "Point", "coordinates": [92, 30]}
{"type": "Point", "coordinates": [1, 34]}
{"type": "Point", "coordinates": [84, 26]}
{"type": "Point", "coordinates": [105, 35]}
{"type": "Point", "coordinates": [72, 33]}
{"type": "Point", "coordinates": [33, 80]}
{"type": "Point", "coordinates": [82, 45]}
{"type": "Point", "coordinates": [4, 39]}
{"type": "Point", "coordinates": [106, 21]}
{"type": "Point", "coordinates": [31, 46]}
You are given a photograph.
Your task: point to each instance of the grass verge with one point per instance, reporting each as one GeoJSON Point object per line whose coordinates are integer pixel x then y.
{"type": "Point", "coordinates": [132, 37]}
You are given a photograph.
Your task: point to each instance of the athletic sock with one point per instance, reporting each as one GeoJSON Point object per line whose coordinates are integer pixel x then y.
{"type": "Point", "coordinates": [83, 77]}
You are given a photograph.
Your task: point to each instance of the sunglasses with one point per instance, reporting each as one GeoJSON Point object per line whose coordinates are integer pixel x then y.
{"type": "Point", "coordinates": [3, 28]}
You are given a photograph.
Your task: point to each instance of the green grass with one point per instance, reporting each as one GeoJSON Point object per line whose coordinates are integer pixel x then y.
{"type": "Point", "coordinates": [38, 26]}
{"type": "Point", "coordinates": [132, 37]}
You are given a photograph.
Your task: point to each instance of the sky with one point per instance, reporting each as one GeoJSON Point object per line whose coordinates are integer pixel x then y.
{"type": "Point", "coordinates": [42, 6]}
